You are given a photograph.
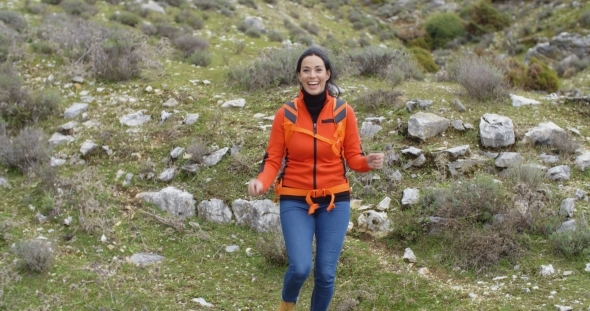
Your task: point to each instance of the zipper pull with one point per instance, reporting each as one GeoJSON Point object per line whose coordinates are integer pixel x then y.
{"type": "Point", "coordinates": [315, 128]}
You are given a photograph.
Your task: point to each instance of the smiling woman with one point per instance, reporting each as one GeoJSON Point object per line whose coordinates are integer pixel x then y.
{"type": "Point", "coordinates": [316, 136]}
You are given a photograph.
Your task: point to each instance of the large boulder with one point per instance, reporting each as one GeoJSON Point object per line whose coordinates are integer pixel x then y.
{"type": "Point", "coordinates": [425, 125]}
{"type": "Point", "coordinates": [174, 201]}
{"type": "Point", "coordinates": [259, 215]}
{"type": "Point", "coordinates": [496, 131]}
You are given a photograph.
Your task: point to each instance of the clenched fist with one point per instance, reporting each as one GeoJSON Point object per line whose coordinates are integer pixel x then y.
{"type": "Point", "coordinates": [255, 187]}
{"type": "Point", "coordinates": [375, 160]}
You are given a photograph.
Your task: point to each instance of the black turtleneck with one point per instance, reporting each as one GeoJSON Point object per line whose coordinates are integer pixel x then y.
{"type": "Point", "coordinates": [314, 104]}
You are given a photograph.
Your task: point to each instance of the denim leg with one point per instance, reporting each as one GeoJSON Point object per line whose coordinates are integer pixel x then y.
{"type": "Point", "coordinates": [298, 230]}
{"type": "Point", "coordinates": [330, 232]}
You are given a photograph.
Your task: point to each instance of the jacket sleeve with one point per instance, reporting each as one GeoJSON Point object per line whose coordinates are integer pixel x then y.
{"type": "Point", "coordinates": [353, 153]}
{"type": "Point", "coordinates": [275, 151]}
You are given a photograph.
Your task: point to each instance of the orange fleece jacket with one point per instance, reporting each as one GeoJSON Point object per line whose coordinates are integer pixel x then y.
{"type": "Point", "coordinates": [311, 163]}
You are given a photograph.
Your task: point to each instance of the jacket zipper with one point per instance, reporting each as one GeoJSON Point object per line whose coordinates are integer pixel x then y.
{"type": "Point", "coordinates": [315, 130]}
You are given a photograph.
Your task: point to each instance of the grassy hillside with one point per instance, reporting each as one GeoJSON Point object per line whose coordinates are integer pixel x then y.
{"type": "Point", "coordinates": [201, 54]}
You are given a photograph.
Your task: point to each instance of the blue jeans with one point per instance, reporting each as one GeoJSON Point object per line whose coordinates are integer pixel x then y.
{"type": "Point", "coordinates": [299, 229]}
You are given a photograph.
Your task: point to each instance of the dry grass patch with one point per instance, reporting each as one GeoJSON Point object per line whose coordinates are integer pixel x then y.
{"type": "Point", "coordinates": [34, 255]}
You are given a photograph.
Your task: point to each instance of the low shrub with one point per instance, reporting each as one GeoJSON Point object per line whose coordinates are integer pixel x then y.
{"type": "Point", "coordinates": [372, 101]}
{"type": "Point", "coordinates": [482, 17]}
{"type": "Point", "coordinates": [276, 36]}
{"type": "Point", "coordinates": [34, 7]}
{"type": "Point", "coordinates": [572, 244]}
{"type": "Point", "coordinates": [42, 47]}
{"type": "Point", "coordinates": [253, 32]}
{"type": "Point", "coordinates": [271, 246]}
{"type": "Point", "coordinates": [71, 38]}
{"type": "Point", "coordinates": [425, 59]}
{"type": "Point", "coordinates": [474, 221]}
{"type": "Point", "coordinates": [13, 20]}
{"type": "Point", "coordinates": [197, 151]}
{"type": "Point", "coordinates": [53, 2]}
{"type": "Point", "coordinates": [481, 77]}
{"type": "Point", "coordinates": [118, 58]}
{"type": "Point", "coordinates": [540, 77]}
{"type": "Point", "coordinates": [186, 17]}
{"type": "Point", "coordinates": [386, 63]}
{"type": "Point", "coordinates": [311, 28]}
{"type": "Point", "coordinates": [248, 3]}
{"type": "Point", "coordinates": [225, 7]}
{"type": "Point", "coordinates": [364, 41]}
{"type": "Point", "coordinates": [529, 175]}
{"type": "Point", "coordinates": [78, 8]}
{"type": "Point", "coordinates": [443, 28]}
{"type": "Point", "coordinates": [174, 3]}
{"type": "Point", "coordinates": [278, 61]}
{"type": "Point", "coordinates": [25, 151]}
{"type": "Point", "coordinates": [563, 143]}
{"type": "Point", "coordinates": [189, 44]}
{"type": "Point", "coordinates": [11, 86]}
{"type": "Point", "coordinates": [149, 29]}
{"type": "Point", "coordinates": [34, 255]}
{"type": "Point", "coordinates": [167, 31]}
{"type": "Point", "coordinates": [584, 19]}
{"type": "Point", "coordinates": [126, 18]}
{"type": "Point", "coordinates": [200, 58]}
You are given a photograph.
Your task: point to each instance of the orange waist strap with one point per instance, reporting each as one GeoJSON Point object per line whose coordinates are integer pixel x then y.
{"type": "Point", "coordinates": [309, 194]}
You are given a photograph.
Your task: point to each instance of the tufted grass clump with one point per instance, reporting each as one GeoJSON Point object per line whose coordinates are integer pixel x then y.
{"type": "Point", "coordinates": [34, 255]}
{"type": "Point", "coordinates": [25, 151]}
{"type": "Point", "coordinates": [255, 76]}
{"type": "Point", "coordinates": [530, 175]}
{"type": "Point", "coordinates": [584, 19]}
{"type": "Point", "coordinates": [443, 28]}
{"type": "Point", "coordinates": [276, 36]}
{"type": "Point", "coordinates": [481, 77]}
{"type": "Point", "coordinates": [572, 244]}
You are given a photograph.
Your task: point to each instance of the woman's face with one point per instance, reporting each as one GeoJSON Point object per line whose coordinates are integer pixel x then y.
{"type": "Point", "coordinates": [313, 75]}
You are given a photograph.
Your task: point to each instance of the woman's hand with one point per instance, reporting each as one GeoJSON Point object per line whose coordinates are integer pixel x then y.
{"type": "Point", "coordinates": [375, 160]}
{"type": "Point", "coordinates": [255, 187]}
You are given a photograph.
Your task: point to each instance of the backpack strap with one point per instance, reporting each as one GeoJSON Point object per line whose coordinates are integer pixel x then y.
{"type": "Point", "coordinates": [339, 113]}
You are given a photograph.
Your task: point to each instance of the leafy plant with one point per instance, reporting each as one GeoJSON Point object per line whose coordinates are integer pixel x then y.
{"type": "Point", "coordinates": [425, 59]}
{"type": "Point", "coordinates": [444, 27]}
{"type": "Point", "coordinates": [482, 17]}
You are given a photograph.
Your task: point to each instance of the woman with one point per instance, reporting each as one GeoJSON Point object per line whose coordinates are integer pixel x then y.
{"type": "Point", "coordinates": [314, 192]}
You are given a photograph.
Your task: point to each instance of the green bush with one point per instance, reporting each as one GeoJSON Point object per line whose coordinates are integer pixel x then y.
{"type": "Point", "coordinates": [423, 42]}
{"type": "Point", "coordinates": [483, 18]}
{"type": "Point", "coordinates": [225, 7]}
{"type": "Point", "coordinates": [481, 77]}
{"type": "Point", "coordinates": [126, 18]}
{"type": "Point", "coordinates": [281, 62]}
{"type": "Point", "coordinates": [443, 28]}
{"type": "Point", "coordinates": [540, 77]}
{"type": "Point", "coordinates": [26, 151]}
{"type": "Point", "coordinates": [425, 59]}
{"type": "Point", "coordinates": [54, 2]}
{"type": "Point", "coordinates": [34, 7]}
{"type": "Point", "coordinates": [200, 58]}
{"type": "Point", "coordinates": [574, 243]}
{"type": "Point", "coordinates": [13, 20]}
{"type": "Point", "coordinates": [34, 255]}
{"type": "Point", "coordinates": [253, 32]}
{"type": "Point", "coordinates": [167, 31]}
